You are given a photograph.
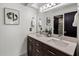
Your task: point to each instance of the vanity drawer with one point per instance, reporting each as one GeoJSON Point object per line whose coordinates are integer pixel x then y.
{"type": "Point", "coordinates": [47, 51]}
{"type": "Point", "coordinates": [53, 51]}
{"type": "Point", "coordinates": [37, 52]}
{"type": "Point", "coordinates": [36, 43]}
{"type": "Point", "coordinates": [56, 52]}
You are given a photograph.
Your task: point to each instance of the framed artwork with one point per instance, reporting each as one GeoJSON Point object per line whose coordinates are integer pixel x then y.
{"type": "Point", "coordinates": [11, 16]}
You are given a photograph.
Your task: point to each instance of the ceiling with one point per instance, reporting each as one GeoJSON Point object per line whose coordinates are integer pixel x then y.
{"type": "Point", "coordinates": [34, 5]}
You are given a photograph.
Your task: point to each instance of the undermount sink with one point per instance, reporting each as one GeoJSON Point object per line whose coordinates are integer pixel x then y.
{"type": "Point", "coordinates": [58, 42]}
{"type": "Point", "coordinates": [53, 40]}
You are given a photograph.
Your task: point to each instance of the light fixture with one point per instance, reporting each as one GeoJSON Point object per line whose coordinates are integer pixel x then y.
{"type": "Point", "coordinates": [47, 6]}
{"type": "Point", "coordinates": [53, 4]}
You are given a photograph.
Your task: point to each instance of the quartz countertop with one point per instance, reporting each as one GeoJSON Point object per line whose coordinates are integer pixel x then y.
{"type": "Point", "coordinates": [63, 45]}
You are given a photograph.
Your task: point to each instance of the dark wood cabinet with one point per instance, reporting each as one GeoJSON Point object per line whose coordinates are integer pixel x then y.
{"type": "Point", "coordinates": [34, 47]}
{"type": "Point", "coordinates": [37, 48]}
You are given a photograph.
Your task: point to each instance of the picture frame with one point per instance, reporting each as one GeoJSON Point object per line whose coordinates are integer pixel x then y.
{"type": "Point", "coordinates": [11, 16]}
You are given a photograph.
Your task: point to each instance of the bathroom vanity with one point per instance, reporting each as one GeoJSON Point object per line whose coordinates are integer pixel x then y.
{"type": "Point", "coordinates": [41, 45]}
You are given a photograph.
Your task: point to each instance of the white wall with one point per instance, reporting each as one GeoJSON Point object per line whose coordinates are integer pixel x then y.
{"type": "Point", "coordinates": [13, 37]}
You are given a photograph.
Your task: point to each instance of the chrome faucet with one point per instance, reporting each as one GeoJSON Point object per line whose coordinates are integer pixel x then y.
{"type": "Point", "coordinates": [60, 36]}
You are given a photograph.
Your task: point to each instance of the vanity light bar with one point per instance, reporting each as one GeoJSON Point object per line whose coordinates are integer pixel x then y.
{"type": "Point", "coordinates": [48, 6]}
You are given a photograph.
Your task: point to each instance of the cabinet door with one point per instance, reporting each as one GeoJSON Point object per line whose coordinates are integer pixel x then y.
{"type": "Point", "coordinates": [69, 30]}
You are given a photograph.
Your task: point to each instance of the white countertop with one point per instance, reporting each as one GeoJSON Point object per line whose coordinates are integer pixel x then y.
{"type": "Point", "coordinates": [62, 45]}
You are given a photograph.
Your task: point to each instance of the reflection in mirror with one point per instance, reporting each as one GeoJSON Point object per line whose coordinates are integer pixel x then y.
{"type": "Point", "coordinates": [69, 29]}
{"type": "Point", "coordinates": [58, 25]}
{"type": "Point", "coordinates": [48, 29]}
{"type": "Point", "coordinates": [40, 25]}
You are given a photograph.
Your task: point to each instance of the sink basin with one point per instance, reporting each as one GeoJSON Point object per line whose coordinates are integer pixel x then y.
{"type": "Point", "coordinates": [53, 40]}
{"type": "Point", "coordinates": [59, 42]}
{"type": "Point", "coordinates": [39, 35]}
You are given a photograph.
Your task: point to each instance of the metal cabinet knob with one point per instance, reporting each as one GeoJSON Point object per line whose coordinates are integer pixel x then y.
{"type": "Point", "coordinates": [30, 39]}
{"type": "Point", "coordinates": [37, 44]}
{"type": "Point", "coordinates": [51, 52]}
{"type": "Point", "coordinates": [37, 50]}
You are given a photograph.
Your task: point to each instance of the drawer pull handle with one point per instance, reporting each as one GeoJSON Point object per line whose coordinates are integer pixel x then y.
{"type": "Point", "coordinates": [37, 44]}
{"type": "Point", "coordinates": [51, 52]}
{"type": "Point", "coordinates": [30, 40]}
{"type": "Point", "coordinates": [37, 50]}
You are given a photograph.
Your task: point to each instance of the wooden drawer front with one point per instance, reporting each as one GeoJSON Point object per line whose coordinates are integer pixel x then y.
{"type": "Point", "coordinates": [47, 51]}
{"type": "Point", "coordinates": [52, 51]}
{"type": "Point", "coordinates": [56, 52]}
{"type": "Point", "coordinates": [36, 52]}
{"type": "Point", "coordinates": [36, 43]}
